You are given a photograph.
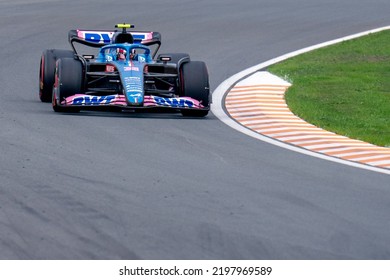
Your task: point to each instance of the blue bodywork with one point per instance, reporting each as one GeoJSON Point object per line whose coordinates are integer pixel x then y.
{"type": "Point", "coordinates": [130, 68]}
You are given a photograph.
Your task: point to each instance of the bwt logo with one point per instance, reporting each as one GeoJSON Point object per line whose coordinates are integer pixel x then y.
{"type": "Point", "coordinates": [105, 37]}
{"type": "Point", "coordinates": [93, 100]}
{"type": "Point", "coordinates": [102, 37]}
{"type": "Point", "coordinates": [174, 102]}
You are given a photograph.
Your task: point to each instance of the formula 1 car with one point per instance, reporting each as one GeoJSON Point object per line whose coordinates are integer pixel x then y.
{"type": "Point", "coordinates": [124, 74]}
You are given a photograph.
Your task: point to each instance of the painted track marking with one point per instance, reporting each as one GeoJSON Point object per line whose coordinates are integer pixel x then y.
{"type": "Point", "coordinates": [260, 100]}
{"type": "Point", "coordinates": [219, 110]}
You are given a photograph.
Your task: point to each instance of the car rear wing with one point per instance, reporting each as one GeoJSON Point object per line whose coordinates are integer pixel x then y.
{"type": "Point", "coordinates": [100, 38]}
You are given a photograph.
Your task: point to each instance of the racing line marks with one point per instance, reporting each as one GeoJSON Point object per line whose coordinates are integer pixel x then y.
{"type": "Point", "coordinates": [258, 103]}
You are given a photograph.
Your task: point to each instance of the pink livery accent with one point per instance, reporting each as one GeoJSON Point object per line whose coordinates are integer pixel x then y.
{"type": "Point", "coordinates": [173, 102]}
{"type": "Point", "coordinates": [120, 100]}
{"type": "Point", "coordinates": [93, 100]}
{"type": "Point", "coordinates": [106, 36]}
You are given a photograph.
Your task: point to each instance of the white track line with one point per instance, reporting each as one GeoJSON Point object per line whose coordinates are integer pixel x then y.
{"type": "Point", "coordinates": [308, 137]}
{"type": "Point", "coordinates": [247, 79]}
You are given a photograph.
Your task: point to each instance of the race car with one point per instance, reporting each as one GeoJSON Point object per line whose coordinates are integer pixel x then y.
{"type": "Point", "coordinates": [124, 74]}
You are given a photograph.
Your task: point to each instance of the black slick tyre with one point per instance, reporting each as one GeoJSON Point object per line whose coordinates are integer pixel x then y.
{"type": "Point", "coordinates": [68, 82]}
{"type": "Point", "coordinates": [194, 80]}
{"type": "Point", "coordinates": [46, 71]}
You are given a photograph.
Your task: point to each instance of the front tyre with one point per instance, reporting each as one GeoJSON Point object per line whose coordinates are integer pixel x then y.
{"type": "Point", "coordinates": [195, 84]}
{"type": "Point", "coordinates": [68, 82]}
{"type": "Point", "coordinates": [46, 71]}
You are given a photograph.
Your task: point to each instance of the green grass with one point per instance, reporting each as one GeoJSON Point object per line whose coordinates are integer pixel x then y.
{"type": "Point", "coordinates": [344, 88]}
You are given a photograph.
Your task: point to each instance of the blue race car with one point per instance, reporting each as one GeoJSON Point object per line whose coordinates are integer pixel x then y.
{"type": "Point", "coordinates": [124, 74]}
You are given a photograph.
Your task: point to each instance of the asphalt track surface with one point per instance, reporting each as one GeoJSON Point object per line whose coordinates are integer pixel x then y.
{"type": "Point", "coordinates": [150, 186]}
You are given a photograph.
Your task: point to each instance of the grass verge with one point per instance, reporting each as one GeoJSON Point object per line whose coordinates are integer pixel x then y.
{"type": "Point", "coordinates": [344, 88]}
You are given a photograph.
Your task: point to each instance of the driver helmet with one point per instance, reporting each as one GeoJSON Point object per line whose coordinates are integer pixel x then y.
{"type": "Point", "coordinates": [121, 54]}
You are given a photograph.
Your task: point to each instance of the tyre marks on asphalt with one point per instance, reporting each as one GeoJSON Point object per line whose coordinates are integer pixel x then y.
{"type": "Point", "coordinates": [258, 103]}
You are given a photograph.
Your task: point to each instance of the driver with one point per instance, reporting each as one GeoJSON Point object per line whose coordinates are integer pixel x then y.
{"type": "Point", "coordinates": [121, 54]}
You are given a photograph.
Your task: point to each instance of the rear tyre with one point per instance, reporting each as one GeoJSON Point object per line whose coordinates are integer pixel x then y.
{"type": "Point", "coordinates": [46, 72]}
{"type": "Point", "coordinates": [195, 84]}
{"type": "Point", "coordinates": [68, 82]}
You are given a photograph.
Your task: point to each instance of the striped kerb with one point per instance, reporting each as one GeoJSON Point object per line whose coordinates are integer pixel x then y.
{"type": "Point", "coordinates": [261, 107]}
